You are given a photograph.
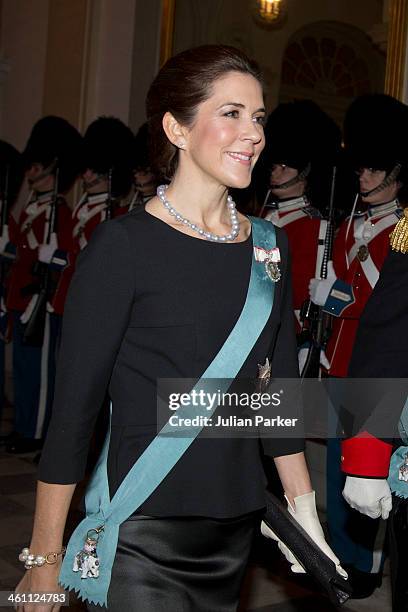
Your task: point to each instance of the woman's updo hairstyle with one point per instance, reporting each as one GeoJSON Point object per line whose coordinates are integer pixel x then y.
{"type": "Point", "coordinates": [182, 84]}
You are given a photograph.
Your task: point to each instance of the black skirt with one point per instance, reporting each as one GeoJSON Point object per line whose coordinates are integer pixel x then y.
{"type": "Point", "coordinates": [180, 564]}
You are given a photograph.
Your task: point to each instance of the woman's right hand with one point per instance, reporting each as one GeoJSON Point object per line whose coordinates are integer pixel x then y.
{"type": "Point", "coordinates": [40, 580]}
{"type": "Point", "coordinates": [304, 512]}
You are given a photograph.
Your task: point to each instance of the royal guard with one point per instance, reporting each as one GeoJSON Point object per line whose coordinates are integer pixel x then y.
{"type": "Point", "coordinates": [375, 459]}
{"type": "Point", "coordinates": [375, 141]}
{"type": "Point", "coordinates": [107, 180]}
{"type": "Point", "coordinates": [302, 144]}
{"type": "Point", "coordinates": [145, 181]}
{"type": "Point", "coordinates": [379, 158]}
{"type": "Point", "coordinates": [51, 165]}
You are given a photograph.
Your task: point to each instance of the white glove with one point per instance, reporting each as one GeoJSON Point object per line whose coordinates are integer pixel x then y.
{"type": "Point", "coordinates": [305, 514]}
{"type": "Point", "coordinates": [4, 239]}
{"type": "Point", "coordinates": [324, 361]}
{"type": "Point", "coordinates": [302, 356]}
{"type": "Point", "coordinates": [319, 288]}
{"type": "Point", "coordinates": [370, 496]}
{"type": "Point", "coordinates": [46, 251]}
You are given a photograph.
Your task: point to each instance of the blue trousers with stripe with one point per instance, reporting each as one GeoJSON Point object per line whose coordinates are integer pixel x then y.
{"type": "Point", "coordinates": [356, 539]}
{"type": "Point", "coordinates": [34, 377]}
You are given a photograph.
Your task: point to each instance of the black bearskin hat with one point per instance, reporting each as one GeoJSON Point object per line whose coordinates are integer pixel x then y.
{"type": "Point", "coordinates": [11, 171]}
{"type": "Point", "coordinates": [376, 136]}
{"type": "Point", "coordinates": [298, 133]}
{"type": "Point", "coordinates": [53, 138]}
{"type": "Point", "coordinates": [376, 132]}
{"type": "Point", "coordinates": [108, 145]}
{"type": "Point", "coordinates": [301, 135]}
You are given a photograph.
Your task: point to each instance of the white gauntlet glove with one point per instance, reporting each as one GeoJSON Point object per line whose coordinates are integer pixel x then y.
{"type": "Point", "coordinates": [319, 288]}
{"type": "Point", "coordinates": [305, 514]}
{"type": "Point", "coordinates": [370, 496]}
{"type": "Point", "coordinates": [302, 357]}
{"type": "Point", "coordinates": [46, 251]}
{"type": "Point", "coordinates": [4, 239]}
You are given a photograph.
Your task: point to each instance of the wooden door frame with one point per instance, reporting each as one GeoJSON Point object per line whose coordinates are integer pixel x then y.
{"type": "Point", "coordinates": [397, 49]}
{"type": "Point", "coordinates": [167, 30]}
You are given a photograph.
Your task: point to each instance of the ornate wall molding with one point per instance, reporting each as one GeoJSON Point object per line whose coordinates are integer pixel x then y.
{"type": "Point", "coordinates": [330, 63]}
{"type": "Point", "coordinates": [396, 64]}
{"type": "Point", "coordinates": [396, 49]}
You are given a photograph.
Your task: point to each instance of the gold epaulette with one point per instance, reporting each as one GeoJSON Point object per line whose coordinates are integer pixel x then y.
{"type": "Point", "coordinates": [399, 236]}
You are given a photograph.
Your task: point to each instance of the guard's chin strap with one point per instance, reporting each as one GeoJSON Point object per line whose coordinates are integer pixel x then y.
{"type": "Point", "coordinates": [46, 172]}
{"type": "Point", "coordinates": [293, 181]}
{"type": "Point", "coordinates": [389, 179]}
{"type": "Point", "coordinates": [350, 221]}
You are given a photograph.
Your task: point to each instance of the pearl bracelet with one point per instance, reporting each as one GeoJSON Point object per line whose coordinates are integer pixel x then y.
{"type": "Point", "coordinates": [31, 560]}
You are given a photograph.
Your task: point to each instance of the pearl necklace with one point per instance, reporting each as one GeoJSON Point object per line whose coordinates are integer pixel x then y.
{"type": "Point", "coordinates": [161, 194]}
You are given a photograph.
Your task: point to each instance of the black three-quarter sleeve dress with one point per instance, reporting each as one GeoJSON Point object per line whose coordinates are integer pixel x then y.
{"type": "Point", "coordinates": [149, 302]}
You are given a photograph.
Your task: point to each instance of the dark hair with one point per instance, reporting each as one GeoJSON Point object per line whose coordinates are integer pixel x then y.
{"type": "Point", "coordinates": [182, 84]}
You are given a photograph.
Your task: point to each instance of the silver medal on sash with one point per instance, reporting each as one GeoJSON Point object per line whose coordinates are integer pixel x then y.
{"type": "Point", "coordinates": [272, 270]}
{"type": "Point", "coordinates": [270, 259]}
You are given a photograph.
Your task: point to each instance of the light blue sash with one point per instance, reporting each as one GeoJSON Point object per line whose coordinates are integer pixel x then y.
{"type": "Point", "coordinates": [165, 450]}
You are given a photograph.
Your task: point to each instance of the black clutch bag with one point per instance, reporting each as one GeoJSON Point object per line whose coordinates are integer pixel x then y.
{"type": "Point", "coordinates": [315, 562]}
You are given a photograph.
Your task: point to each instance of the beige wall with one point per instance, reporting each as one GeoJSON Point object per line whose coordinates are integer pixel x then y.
{"type": "Point", "coordinates": [71, 58]}
{"type": "Point", "coordinates": [109, 68]}
{"type": "Point", "coordinates": [146, 56]}
{"type": "Point", "coordinates": [24, 26]}
{"type": "Point", "coordinates": [67, 23]}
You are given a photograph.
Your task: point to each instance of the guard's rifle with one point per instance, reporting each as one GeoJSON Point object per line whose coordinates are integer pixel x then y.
{"type": "Point", "coordinates": [109, 203]}
{"type": "Point", "coordinates": [34, 330]}
{"type": "Point", "coordinates": [316, 323]}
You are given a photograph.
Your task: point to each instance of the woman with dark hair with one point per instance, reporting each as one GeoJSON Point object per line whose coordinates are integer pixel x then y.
{"type": "Point", "coordinates": [187, 288]}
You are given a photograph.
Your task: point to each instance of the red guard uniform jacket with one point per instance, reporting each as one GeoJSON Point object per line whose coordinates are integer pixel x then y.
{"type": "Point", "coordinates": [7, 255]}
{"type": "Point", "coordinates": [87, 215]}
{"type": "Point", "coordinates": [306, 232]}
{"type": "Point", "coordinates": [368, 235]}
{"type": "Point", "coordinates": [27, 235]}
